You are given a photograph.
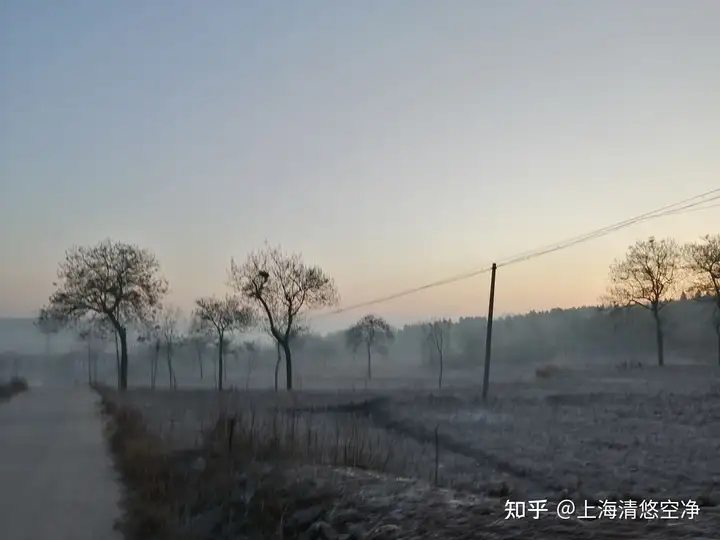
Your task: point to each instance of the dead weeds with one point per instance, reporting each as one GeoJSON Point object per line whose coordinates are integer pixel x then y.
{"type": "Point", "coordinates": [236, 483]}
{"type": "Point", "coordinates": [282, 475]}
{"type": "Point", "coordinates": [153, 483]}
{"type": "Point", "coordinates": [15, 386]}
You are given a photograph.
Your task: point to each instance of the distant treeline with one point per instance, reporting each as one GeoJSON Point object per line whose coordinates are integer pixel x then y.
{"type": "Point", "coordinates": [114, 293]}
{"type": "Point", "coordinates": [559, 334]}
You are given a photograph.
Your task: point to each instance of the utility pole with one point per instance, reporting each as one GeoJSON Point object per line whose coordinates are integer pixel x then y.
{"type": "Point", "coordinates": [488, 337]}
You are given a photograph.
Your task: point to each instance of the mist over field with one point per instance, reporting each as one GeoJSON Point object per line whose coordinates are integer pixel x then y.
{"type": "Point", "coordinates": [340, 270]}
{"type": "Point", "coordinates": [576, 338]}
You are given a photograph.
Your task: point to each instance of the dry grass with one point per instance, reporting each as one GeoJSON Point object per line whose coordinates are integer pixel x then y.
{"type": "Point", "coordinates": [154, 484]}
{"type": "Point", "coordinates": [258, 461]}
{"type": "Point", "coordinates": [313, 429]}
{"type": "Point", "coordinates": [247, 469]}
{"type": "Point", "coordinates": [317, 438]}
{"type": "Point", "coordinates": [15, 386]}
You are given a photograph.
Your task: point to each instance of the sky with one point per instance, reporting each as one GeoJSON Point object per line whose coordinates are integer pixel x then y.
{"type": "Point", "coordinates": [392, 143]}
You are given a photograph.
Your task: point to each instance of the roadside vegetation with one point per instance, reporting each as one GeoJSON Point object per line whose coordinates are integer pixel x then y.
{"type": "Point", "coordinates": [15, 386]}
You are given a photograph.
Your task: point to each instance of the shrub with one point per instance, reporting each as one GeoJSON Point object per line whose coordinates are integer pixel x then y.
{"type": "Point", "coordinates": [546, 371]}
{"type": "Point", "coordinates": [15, 386]}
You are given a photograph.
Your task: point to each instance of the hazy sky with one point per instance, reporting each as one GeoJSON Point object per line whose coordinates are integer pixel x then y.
{"type": "Point", "coordinates": [392, 142]}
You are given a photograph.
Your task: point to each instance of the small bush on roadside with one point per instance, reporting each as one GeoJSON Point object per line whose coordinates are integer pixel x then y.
{"type": "Point", "coordinates": [628, 365]}
{"type": "Point", "coordinates": [546, 371]}
{"type": "Point", "coordinates": [15, 386]}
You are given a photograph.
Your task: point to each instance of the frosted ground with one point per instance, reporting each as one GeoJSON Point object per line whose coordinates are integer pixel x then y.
{"type": "Point", "coordinates": [592, 434]}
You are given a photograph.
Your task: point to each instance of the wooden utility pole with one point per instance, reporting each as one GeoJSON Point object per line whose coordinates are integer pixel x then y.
{"type": "Point", "coordinates": [488, 337]}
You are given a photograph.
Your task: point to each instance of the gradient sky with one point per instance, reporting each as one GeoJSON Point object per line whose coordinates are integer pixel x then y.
{"type": "Point", "coordinates": [392, 142]}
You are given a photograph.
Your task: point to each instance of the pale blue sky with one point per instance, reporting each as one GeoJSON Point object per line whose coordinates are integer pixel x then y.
{"type": "Point", "coordinates": [393, 142]}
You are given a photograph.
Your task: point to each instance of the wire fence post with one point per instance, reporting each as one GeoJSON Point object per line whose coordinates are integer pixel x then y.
{"type": "Point", "coordinates": [488, 337]}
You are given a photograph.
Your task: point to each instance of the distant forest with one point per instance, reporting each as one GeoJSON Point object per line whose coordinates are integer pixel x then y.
{"type": "Point", "coordinates": [567, 336]}
{"type": "Point", "coordinates": [111, 297]}
{"type": "Point", "coordinates": [556, 335]}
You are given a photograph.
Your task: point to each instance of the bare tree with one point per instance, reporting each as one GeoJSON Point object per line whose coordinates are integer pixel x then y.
{"type": "Point", "coordinates": [702, 260]}
{"type": "Point", "coordinates": [647, 277]}
{"type": "Point", "coordinates": [437, 335]}
{"type": "Point", "coordinates": [119, 282]}
{"type": "Point", "coordinates": [225, 316]}
{"type": "Point", "coordinates": [283, 288]}
{"type": "Point", "coordinates": [251, 349]}
{"type": "Point", "coordinates": [199, 336]}
{"type": "Point", "coordinates": [85, 335]}
{"type": "Point", "coordinates": [48, 325]}
{"type": "Point", "coordinates": [277, 363]}
{"type": "Point", "coordinates": [298, 331]}
{"type": "Point", "coordinates": [235, 351]}
{"type": "Point", "coordinates": [106, 332]}
{"type": "Point", "coordinates": [118, 360]}
{"type": "Point", "coordinates": [246, 349]}
{"type": "Point", "coordinates": [94, 334]}
{"type": "Point", "coordinates": [152, 336]}
{"type": "Point", "coordinates": [170, 318]}
{"type": "Point", "coordinates": [372, 332]}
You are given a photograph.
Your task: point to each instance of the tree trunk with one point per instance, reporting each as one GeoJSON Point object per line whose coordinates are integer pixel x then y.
{"type": "Point", "coordinates": [277, 364]}
{"type": "Point", "coordinates": [154, 366]}
{"type": "Point", "coordinates": [117, 357]}
{"type": "Point", "coordinates": [220, 364]}
{"type": "Point", "coordinates": [440, 377]}
{"type": "Point", "coordinates": [288, 365]}
{"type": "Point", "coordinates": [89, 361]}
{"type": "Point", "coordinates": [249, 371]}
{"type": "Point", "coordinates": [369, 363]}
{"type": "Point", "coordinates": [659, 340]}
{"type": "Point", "coordinates": [171, 371]}
{"type": "Point", "coordinates": [200, 363]}
{"type": "Point", "coordinates": [123, 359]}
{"type": "Point", "coordinates": [225, 369]}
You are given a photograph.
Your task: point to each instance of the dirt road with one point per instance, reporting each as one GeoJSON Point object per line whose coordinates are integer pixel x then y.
{"type": "Point", "coordinates": [56, 478]}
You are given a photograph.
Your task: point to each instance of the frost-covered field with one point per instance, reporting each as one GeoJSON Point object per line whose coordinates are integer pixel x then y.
{"type": "Point", "coordinates": [641, 436]}
{"type": "Point", "coordinates": [644, 434]}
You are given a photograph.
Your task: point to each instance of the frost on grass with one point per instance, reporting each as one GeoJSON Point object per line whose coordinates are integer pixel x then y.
{"type": "Point", "coordinates": [589, 440]}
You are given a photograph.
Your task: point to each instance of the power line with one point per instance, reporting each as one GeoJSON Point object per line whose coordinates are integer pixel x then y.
{"type": "Point", "coordinates": [680, 207]}
{"type": "Point", "coordinates": [408, 292]}
{"type": "Point", "coordinates": [684, 206]}
{"type": "Point", "coordinates": [672, 209]}
{"type": "Point", "coordinates": [709, 207]}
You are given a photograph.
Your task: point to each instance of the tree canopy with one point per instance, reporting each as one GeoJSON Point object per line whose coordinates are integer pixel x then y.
{"type": "Point", "coordinates": [116, 281]}
{"type": "Point", "coordinates": [647, 277]}
{"type": "Point", "coordinates": [282, 288]}
{"type": "Point", "coordinates": [224, 315]}
{"type": "Point", "coordinates": [374, 333]}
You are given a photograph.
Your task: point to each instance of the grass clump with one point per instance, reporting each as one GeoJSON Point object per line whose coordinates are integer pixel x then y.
{"type": "Point", "coordinates": [257, 472]}
{"type": "Point", "coordinates": [546, 371]}
{"type": "Point", "coordinates": [154, 484]}
{"type": "Point", "coordinates": [16, 385]}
